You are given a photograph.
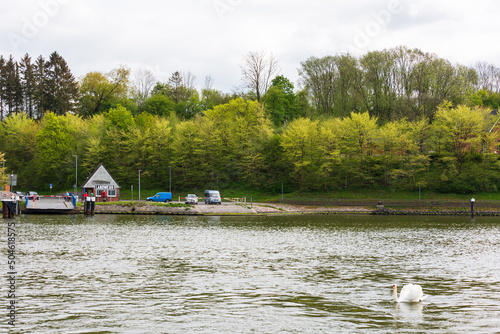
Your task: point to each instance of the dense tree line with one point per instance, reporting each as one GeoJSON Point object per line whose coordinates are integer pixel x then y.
{"type": "Point", "coordinates": [390, 84]}
{"type": "Point", "coordinates": [235, 144]}
{"type": "Point", "coordinates": [398, 118]}
{"type": "Point", "coordinates": [35, 87]}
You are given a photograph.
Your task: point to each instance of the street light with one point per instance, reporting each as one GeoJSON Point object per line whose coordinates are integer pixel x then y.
{"type": "Point", "coordinates": [76, 173]}
{"type": "Point", "coordinates": [139, 184]}
{"type": "Point", "coordinates": [169, 179]}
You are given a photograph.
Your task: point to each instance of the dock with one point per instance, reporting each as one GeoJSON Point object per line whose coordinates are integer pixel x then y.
{"type": "Point", "coordinates": [50, 205]}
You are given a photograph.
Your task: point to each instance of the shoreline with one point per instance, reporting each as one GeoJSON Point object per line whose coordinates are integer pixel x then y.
{"type": "Point", "coordinates": [263, 209]}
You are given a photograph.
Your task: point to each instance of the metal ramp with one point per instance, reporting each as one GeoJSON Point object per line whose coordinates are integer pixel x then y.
{"type": "Point", "coordinates": [46, 205]}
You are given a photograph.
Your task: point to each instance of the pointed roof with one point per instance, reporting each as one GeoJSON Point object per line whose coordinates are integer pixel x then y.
{"type": "Point", "coordinates": [100, 176]}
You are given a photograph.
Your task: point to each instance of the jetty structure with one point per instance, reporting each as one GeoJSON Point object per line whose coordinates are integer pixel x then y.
{"type": "Point", "coordinates": [50, 205]}
{"type": "Point", "coordinates": [10, 204]}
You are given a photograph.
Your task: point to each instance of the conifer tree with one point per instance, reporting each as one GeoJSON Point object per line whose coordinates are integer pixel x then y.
{"type": "Point", "coordinates": [27, 84]}
{"type": "Point", "coordinates": [11, 92]}
{"type": "Point", "coordinates": [62, 85]}
{"type": "Point", "coordinates": [41, 89]}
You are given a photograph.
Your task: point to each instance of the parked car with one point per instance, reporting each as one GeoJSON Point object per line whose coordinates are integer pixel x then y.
{"type": "Point", "coordinates": [212, 197]}
{"type": "Point", "coordinates": [161, 197]}
{"type": "Point", "coordinates": [32, 195]}
{"type": "Point", "coordinates": [20, 194]}
{"type": "Point", "coordinates": [191, 199]}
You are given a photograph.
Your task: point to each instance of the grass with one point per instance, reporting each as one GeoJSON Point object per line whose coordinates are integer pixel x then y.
{"type": "Point", "coordinates": [273, 197]}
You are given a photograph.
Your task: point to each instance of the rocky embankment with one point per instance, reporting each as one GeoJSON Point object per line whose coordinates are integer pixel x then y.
{"type": "Point", "coordinates": [409, 212]}
{"type": "Point", "coordinates": [224, 209]}
{"type": "Point", "coordinates": [202, 209]}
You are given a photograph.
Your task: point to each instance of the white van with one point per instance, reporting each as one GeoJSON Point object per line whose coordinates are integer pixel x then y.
{"type": "Point", "coordinates": [212, 197]}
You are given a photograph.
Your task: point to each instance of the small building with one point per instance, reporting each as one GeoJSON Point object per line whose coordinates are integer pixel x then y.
{"type": "Point", "coordinates": [101, 183]}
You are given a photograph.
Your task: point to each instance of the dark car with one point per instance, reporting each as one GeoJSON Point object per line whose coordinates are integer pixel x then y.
{"type": "Point", "coordinates": [32, 195]}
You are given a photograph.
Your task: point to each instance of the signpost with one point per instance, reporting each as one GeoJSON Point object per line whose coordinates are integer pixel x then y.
{"type": "Point", "coordinates": [12, 180]}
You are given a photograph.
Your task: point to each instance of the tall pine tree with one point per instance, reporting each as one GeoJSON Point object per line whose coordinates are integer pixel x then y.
{"type": "Point", "coordinates": [62, 84]}
{"type": "Point", "coordinates": [11, 91]}
{"type": "Point", "coordinates": [28, 84]}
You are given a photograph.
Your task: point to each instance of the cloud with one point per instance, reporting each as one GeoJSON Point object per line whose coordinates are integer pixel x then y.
{"type": "Point", "coordinates": [210, 37]}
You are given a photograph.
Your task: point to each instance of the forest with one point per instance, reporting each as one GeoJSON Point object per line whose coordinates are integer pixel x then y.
{"type": "Point", "coordinates": [396, 119]}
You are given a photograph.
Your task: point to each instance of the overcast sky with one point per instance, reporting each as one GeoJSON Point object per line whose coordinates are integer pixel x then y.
{"type": "Point", "coordinates": [210, 37]}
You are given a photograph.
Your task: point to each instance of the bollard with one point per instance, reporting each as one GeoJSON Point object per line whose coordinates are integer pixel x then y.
{"type": "Point", "coordinates": [472, 201]}
{"type": "Point", "coordinates": [8, 209]}
{"type": "Point", "coordinates": [87, 205]}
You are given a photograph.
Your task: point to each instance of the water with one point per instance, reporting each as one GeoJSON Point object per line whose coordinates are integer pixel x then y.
{"type": "Point", "coordinates": [300, 274]}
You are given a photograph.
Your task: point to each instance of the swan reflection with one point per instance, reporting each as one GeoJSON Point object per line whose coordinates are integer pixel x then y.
{"type": "Point", "coordinates": [411, 312]}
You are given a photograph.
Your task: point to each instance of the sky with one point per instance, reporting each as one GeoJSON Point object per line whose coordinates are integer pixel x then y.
{"type": "Point", "coordinates": [211, 37]}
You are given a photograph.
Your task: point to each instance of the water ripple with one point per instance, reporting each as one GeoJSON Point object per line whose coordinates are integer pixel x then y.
{"type": "Point", "coordinates": [141, 274]}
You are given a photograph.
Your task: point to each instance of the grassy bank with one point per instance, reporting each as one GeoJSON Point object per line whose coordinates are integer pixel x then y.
{"type": "Point", "coordinates": [358, 195]}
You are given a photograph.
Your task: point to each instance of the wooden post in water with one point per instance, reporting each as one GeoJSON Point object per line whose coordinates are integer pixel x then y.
{"type": "Point", "coordinates": [9, 208]}
{"type": "Point", "coordinates": [86, 206]}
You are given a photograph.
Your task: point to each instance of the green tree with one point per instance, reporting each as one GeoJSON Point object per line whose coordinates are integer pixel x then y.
{"type": "Point", "coordinates": [120, 117]}
{"type": "Point", "coordinates": [28, 84]}
{"type": "Point", "coordinates": [212, 97]}
{"type": "Point", "coordinates": [98, 90]}
{"type": "Point", "coordinates": [462, 130]}
{"type": "Point", "coordinates": [62, 85]}
{"type": "Point", "coordinates": [397, 146]}
{"type": "Point", "coordinates": [359, 141]}
{"type": "Point", "coordinates": [12, 95]}
{"type": "Point", "coordinates": [239, 132]}
{"type": "Point", "coordinates": [281, 102]}
{"type": "Point", "coordinates": [55, 145]}
{"type": "Point", "coordinates": [159, 104]}
{"type": "Point", "coordinates": [18, 143]}
{"type": "Point", "coordinates": [376, 90]}
{"type": "Point", "coordinates": [190, 152]}
{"type": "Point", "coordinates": [300, 145]}
{"type": "Point", "coordinates": [330, 135]}
{"type": "Point", "coordinates": [42, 88]}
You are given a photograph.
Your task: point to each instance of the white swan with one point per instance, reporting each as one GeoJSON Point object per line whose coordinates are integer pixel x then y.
{"type": "Point", "coordinates": [411, 293]}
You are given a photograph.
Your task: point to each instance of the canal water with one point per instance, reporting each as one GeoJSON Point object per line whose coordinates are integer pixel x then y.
{"type": "Point", "coordinates": [294, 274]}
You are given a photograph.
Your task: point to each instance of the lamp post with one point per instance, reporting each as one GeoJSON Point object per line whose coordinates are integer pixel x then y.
{"type": "Point", "coordinates": [139, 184]}
{"type": "Point", "coordinates": [76, 173]}
{"type": "Point", "coordinates": [169, 179]}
